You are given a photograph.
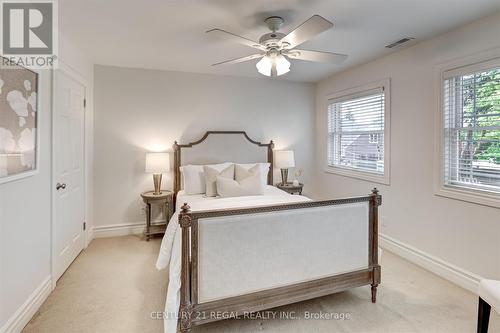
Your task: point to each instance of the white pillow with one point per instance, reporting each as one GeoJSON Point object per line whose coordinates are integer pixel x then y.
{"type": "Point", "coordinates": [252, 185]}
{"type": "Point", "coordinates": [193, 178]}
{"type": "Point", "coordinates": [225, 170]}
{"type": "Point", "coordinates": [241, 171]}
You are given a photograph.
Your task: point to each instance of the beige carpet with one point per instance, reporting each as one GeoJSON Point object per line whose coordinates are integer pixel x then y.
{"type": "Point", "coordinates": [113, 287]}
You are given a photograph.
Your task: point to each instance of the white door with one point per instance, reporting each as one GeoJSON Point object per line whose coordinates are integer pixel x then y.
{"type": "Point", "coordinates": [69, 174]}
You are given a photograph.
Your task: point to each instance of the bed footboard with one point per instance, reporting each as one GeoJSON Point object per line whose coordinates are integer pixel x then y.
{"type": "Point", "coordinates": [330, 223]}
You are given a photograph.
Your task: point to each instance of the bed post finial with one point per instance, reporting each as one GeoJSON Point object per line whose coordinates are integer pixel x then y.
{"type": "Point", "coordinates": [184, 216]}
{"type": "Point", "coordinates": [185, 208]}
{"type": "Point", "coordinates": [378, 197]}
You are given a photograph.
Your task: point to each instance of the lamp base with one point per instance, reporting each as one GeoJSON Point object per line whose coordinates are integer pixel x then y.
{"type": "Point", "coordinates": [284, 176]}
{"type": "Point", "coordinates": [157, 183]}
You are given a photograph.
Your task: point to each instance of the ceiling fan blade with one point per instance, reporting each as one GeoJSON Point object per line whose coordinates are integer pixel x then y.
{"type": "Point", "coordinates": [235, 38]}
{"type": "Point", "coordinates": [307, 30]}
{"type": "Point", "coordinates": [334, 58]}
{"type": "Point", "coordinates": [238, 60]}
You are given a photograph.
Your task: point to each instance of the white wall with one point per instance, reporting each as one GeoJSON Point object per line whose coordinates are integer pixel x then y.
{"type": "Point", "coordinates": [25, 212]}
{"type": "Point", "coordinates": [464, 234]}
{"type": "Point", "coordinates": [139, 110]}
{"type": "Point", "coordinates": [25, 221]}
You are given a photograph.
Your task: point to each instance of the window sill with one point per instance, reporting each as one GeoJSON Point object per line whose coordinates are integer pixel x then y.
{"type": "Point", "coordinates": [367, 176]}
{"type": "Point", "coordinates": [469, 195]}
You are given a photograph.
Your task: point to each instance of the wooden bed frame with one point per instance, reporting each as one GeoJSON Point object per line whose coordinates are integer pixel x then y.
{"type": "Point", "coordinates": [192, 313]}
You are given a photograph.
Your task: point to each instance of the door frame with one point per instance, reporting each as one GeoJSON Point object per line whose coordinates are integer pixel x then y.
{"type": "Point", "coordinates": [73, 74]}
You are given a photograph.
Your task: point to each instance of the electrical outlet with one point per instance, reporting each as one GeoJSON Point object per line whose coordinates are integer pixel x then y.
{"type": "Point", "coordinates": [143, 211]}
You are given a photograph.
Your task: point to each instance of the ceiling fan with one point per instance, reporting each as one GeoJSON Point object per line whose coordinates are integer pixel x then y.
{"type": "Point", "coordinates": [275, 47]}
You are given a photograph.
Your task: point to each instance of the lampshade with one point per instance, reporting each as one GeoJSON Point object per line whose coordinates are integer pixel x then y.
{"type": "Point", "coordinates": [282, 65]}
{"type": "Point", "coordinates": [273, 65]}
{"type": "Point", "coordinates": [157, 162]}
{"type": "Point", "coordinates": [284, 159]}
{"type": "Point", "coordinates": [264, 66]}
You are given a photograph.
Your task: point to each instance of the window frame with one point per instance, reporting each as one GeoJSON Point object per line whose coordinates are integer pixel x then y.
{"type": "Point", "coordinates": [383, 178]}
{"type": "Point", "coordinates": [463, 193]}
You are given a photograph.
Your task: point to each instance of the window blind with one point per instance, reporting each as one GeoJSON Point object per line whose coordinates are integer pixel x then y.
{"type": "Point", "coordinates": [471, 119]}
{"type": "Point", "coordinates": [356, 132]}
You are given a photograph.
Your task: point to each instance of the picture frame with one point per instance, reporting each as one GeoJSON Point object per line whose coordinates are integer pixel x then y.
{"type": "Point", "coordinates": [19, 121]}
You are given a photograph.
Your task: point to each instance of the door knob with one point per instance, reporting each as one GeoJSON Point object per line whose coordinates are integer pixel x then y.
{"type": "Point", "coordinates": [60, 186]}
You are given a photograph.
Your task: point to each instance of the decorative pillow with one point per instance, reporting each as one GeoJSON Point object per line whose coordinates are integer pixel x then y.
{"type": "Point", "coordinates": [193, 179]}
{"type": "Point", "coordinates": [225, 170]}
{"type": "Point", "coordinates": [251, 185]}
{"type": "Point", "coordinates": [242, 171]}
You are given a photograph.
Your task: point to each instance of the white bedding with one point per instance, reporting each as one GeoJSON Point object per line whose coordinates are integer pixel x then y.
{"type": "Point", "coordinates": [170, 250]}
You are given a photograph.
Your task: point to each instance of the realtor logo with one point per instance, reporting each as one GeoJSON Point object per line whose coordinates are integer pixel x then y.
{"type": "Point", "coordinates": [29, 36]}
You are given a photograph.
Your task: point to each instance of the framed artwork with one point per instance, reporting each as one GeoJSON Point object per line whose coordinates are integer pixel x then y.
{"type": "Point", "coordinates": [18, 122]}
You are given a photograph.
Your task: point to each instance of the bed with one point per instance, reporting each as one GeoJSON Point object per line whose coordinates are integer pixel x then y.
{"type": "Point", "coordinates": [297, 248]}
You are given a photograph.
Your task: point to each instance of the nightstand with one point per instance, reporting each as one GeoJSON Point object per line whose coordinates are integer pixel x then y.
{"type": "Point", "coordinates": [165, 201]}
{"type": "Point", "coordinates": [290, 188]}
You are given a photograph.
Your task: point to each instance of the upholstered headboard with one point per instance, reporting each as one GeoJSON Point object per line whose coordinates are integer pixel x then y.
{"type": "Point", "coordinates": [222, 146]}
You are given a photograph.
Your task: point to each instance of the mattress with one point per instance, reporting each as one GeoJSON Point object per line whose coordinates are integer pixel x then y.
{"type": "Point", "coordinates": [194, 199]}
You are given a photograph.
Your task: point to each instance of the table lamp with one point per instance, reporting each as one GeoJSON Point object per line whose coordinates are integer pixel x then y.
{"type": "Point", "coordinates": [284, 159]}
{"type": "Point", "coordinates": [157, 163]}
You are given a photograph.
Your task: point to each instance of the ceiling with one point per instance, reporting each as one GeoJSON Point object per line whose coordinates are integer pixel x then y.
{"type": "Point", "coordinates": [170, 35]}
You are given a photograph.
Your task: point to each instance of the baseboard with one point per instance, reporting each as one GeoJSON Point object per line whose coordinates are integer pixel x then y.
{"type": "Point", "coordinates": [446, 270]}
{"type": "Point", "coordinates": [89, 236]}
{"type": "Point", "coordinates": [26, 311]}
{"type": "Point", "coordinates": [115, 230]}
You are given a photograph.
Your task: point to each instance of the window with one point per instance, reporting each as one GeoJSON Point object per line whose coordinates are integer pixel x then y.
{"type": "Point", "coordinates": [357, 134]}
{"type": "Point", "coordinates": [471, 128]}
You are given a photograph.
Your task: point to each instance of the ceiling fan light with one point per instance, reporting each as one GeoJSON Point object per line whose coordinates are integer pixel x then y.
{"type": "Point", "coordinates": [264, 66]}
{"type": "Point", "coordinates": [282, 65]}
{"type": "Point", "coordinates": [275, 65]}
